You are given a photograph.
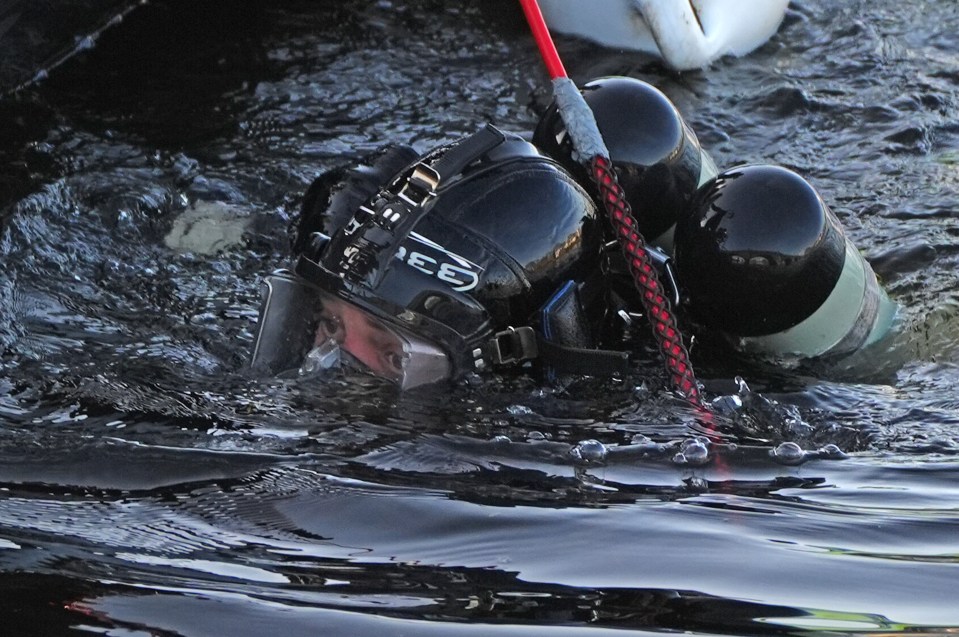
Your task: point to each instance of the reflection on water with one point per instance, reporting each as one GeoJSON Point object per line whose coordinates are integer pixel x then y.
{"type": "Point", "coordinates": [149, 484]}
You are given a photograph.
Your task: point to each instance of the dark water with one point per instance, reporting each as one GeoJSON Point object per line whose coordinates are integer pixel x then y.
{"type": "Point", "coordinates": [149, 486]}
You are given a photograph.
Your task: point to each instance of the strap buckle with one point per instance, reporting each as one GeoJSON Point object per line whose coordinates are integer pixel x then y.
{"type": "Point", "coordinates": [664, 263]}
{"type": "Point", "coordinates": [513, 345]}
{"type": "Point", "coordinates": [420, 186]}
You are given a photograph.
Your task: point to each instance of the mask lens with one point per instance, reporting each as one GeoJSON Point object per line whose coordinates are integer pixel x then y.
{"type": "Point", "coordinates": [302, 327]}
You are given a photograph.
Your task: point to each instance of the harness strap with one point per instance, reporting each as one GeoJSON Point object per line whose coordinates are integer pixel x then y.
{"type": "Point", "coordinates": [582, 360]}
{"type": "Point", "coordinates": [367, 243]}
{"type": "Point", "coordinates": [517, 345]}
{"type": "Point", "coordinates": [465, 152]}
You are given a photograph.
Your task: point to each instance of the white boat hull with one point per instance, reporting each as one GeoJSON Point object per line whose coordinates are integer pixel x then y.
{"type": "Point", "coordinates": [686, 34]}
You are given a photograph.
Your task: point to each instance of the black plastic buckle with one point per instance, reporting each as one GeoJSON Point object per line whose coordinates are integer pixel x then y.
{"type": "Point", "coordinates": [513, 345]}
{"type": "Point", "coordinates": [667, 275]}
{"type": "Point", "coordinates": [663, 263]}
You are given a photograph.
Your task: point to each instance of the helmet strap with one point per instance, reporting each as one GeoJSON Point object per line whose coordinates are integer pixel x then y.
{"type": "Point", "coordinates": [362, 249]}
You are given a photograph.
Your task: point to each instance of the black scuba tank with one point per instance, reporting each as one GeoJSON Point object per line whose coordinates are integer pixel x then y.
{"type": "Point", "coordinates": [765, 262]}
{"type": "Point", "coordinates": [658, 159]}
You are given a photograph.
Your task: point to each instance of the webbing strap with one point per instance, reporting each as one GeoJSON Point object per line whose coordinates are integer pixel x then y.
{"type": "Point", "coordinates": [515, 346]}
{"type": "Point", "coordinates": [581, 360]}
{"type": "Point", "coordinates": [468, 150]}
{"type": "Point", "coordinates": [367, 243]}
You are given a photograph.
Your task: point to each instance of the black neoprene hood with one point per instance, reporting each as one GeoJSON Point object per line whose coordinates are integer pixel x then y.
{"type": "Point", "coordinates": [492, 245]}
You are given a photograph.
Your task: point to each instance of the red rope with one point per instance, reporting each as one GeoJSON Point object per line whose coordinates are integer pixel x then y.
{"type": "Point", "coordinates": [640, 264]}
{"type": "Point", "coordinates": [645, 277]}
{"type": "Point", "coordinates": [547, 50]}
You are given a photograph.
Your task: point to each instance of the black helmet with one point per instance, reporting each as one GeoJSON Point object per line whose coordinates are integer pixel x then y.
{"type": "Point", "coordinates": [657, 157]}
{"type": "Point", "coordinates": [452, 258]}
{"type": "Point", "coordinates": [763, 260]}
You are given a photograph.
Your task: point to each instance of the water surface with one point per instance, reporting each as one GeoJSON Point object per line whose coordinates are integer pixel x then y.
{"type": "Point", "coordinates": [150, 486]}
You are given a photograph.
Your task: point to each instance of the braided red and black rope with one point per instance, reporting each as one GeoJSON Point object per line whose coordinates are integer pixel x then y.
{"type": "Point", "coordinates": [639, 262]}
{"type": "Point", "coordinates": [645, 276]}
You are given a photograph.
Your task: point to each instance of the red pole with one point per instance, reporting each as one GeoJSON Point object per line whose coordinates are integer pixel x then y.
{"type": "Point", "coordinates": [547, 49]}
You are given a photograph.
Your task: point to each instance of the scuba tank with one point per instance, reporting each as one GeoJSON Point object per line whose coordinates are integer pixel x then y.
{"type": "Point", "coordinates": [763, 261]}
{"type": "Point", "coordinates": [754, 253]}
{"type": "Point", "coordinates": [658, 160]}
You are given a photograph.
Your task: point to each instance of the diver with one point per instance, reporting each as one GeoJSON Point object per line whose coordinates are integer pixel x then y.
{"type": "Point", "coordinates": [491, 253]}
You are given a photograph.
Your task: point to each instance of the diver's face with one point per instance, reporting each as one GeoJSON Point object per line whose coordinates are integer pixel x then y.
{"type": "Point", "coordinates": [366, 340]}
{"type": "Point", "coordinates": [307, 330]}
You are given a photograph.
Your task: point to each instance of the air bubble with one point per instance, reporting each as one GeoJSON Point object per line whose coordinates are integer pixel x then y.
{"type": "Point", "coordinates": [695, 451]}
{"type": "Point", "coordinates": [589, 452]}
{"type": "Point", "coordinates": [832, 452]}
{"type": "Point", "coordinates": [519, 410]}
{"type": "Point", "coordinates": [788, 453]}
{"type": "Point", "coordinates": [501, 440]}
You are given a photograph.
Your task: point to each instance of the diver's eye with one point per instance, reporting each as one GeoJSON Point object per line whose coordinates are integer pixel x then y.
{"type": "Point", "coordinates": [396, 361]}
{"type": "Point", "coordinates": [331, 327]}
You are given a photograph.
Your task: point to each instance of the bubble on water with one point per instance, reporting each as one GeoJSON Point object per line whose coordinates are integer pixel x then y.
{"type": "Point", "coordinates": [501, 440]}
{"type": "Point", "coordinates": [695, 451]}
{"type": "Point", "coordinates": [679, 458]}
{"type": "Point", "coordinates": [589, 452]}
{"type": "Point", "coordinates": [535, 436]}
{"type": "Point", "coordinates": [788, 453]}
{"type": "Point", "coordinates": [639, 439]}
{"type": "Point", "coordinates": [832, 452]}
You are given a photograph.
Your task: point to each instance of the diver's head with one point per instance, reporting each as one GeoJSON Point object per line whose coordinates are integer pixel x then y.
{"type": "Point", "coordinates": [433, 274]}
{"type": "Point", "coordinates": [764, 261]}
{"type": "Point", "coordinates": [657, 157]}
